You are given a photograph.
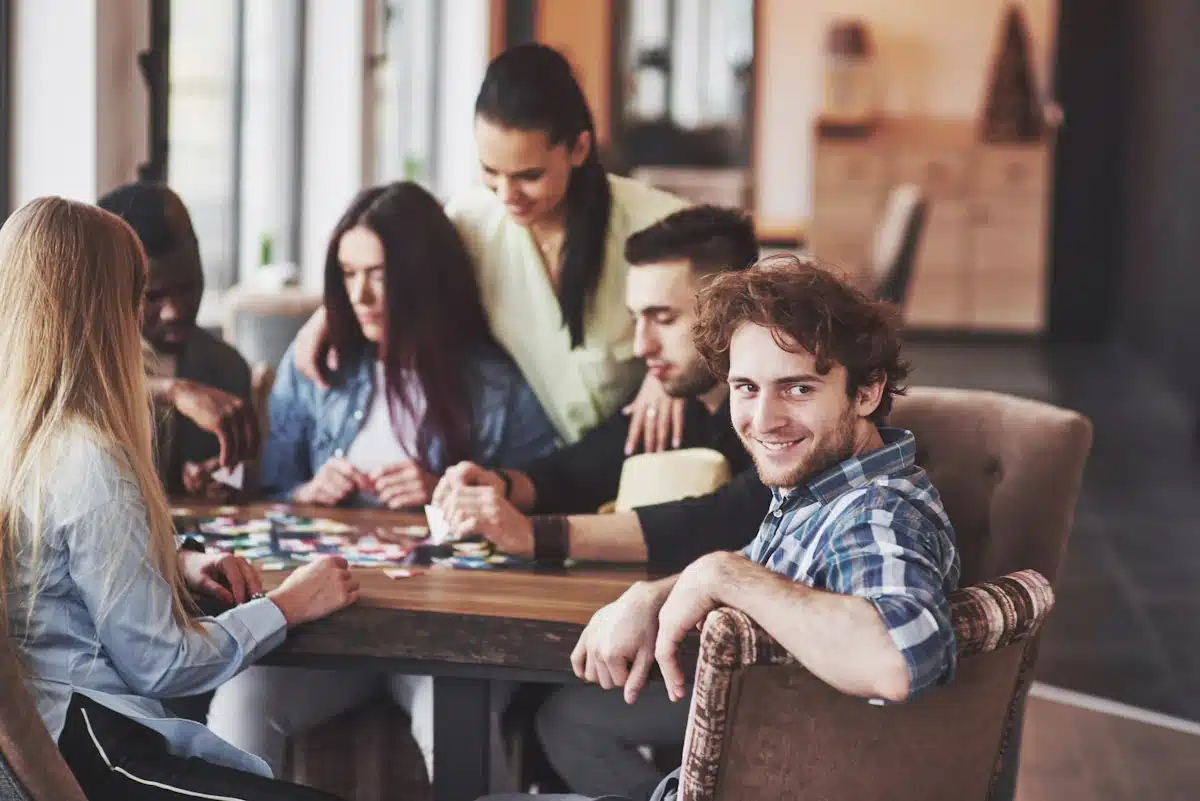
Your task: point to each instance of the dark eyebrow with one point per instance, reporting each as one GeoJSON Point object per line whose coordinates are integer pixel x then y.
{"type": "Point", "coordinates": [524, 171]}
{"type": "Point", "coordinates": [803, 378]}
{"type": "Point", "coordinates": [651, 310]}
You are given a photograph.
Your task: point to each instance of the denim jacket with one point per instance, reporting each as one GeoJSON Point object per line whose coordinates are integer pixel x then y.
{"type": "Point", "coordinates": [309, 425]}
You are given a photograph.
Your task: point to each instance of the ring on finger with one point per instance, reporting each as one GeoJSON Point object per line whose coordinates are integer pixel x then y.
{"type": "Point", "coordinates": [652, 412]}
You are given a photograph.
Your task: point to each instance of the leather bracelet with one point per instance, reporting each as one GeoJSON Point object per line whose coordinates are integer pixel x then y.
{"type": "Point", "coordinates": [551, 540]}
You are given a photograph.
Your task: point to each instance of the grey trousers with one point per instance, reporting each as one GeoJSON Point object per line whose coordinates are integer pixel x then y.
{"type": "Point", "coordinates": [591, 736]}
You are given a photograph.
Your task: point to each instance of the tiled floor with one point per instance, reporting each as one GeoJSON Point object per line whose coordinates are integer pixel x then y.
{"type": "Point", "coordinates": [1127, 622]}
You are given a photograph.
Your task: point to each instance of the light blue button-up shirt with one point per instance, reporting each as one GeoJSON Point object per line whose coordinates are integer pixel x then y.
{"type": "Point", "coordinates": [100, 623]}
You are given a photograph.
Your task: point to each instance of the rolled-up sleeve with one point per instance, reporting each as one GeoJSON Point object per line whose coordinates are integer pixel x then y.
{"type": "Point", "coordinates": [130, 602]}
{"type": "Point", "coordinates": [881, 556]}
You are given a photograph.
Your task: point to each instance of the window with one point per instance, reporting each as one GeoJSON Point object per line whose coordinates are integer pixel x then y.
{"type": "Point", "coordinates": [203, 105]}
{"type": "Point", "coordinates": [683, 93]}
{"type": "Point", "coordinates": [404, 90]}
{"type": "Point", "coordinates": [234, 129]}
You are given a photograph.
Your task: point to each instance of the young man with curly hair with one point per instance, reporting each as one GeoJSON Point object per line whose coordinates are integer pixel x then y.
{"type": "Point", "coordinates": [853, 561]}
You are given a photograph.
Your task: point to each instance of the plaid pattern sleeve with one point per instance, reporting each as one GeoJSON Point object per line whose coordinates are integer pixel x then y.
{"type": "Point", "coordinates": [884, 551]}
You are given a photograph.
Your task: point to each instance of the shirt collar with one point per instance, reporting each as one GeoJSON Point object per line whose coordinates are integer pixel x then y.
{"type": "Point", "coordinates": [899, 452]}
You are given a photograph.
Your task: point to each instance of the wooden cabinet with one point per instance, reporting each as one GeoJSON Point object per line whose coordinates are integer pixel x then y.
{"type": "Point", "coordinates": [981, 265]}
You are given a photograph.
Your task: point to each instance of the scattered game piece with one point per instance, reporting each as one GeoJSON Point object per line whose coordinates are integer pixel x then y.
{"type": "Point", "coordinates": [398, 573]}
{"type": "Point", "coordinates": [271, 567]}
{"type": "Point", "coordinates": [227, 510]}
{"type": "Point", "coordinates": [411, 531]}
{"type": "Point", "coordinates": [231, 478]}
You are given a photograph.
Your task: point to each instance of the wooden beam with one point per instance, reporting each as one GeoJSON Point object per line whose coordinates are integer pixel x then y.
{"type": "Point", "coordinates": [582, 30]}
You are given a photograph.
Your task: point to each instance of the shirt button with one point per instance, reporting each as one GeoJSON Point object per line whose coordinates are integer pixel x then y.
{"type": "Point", "coordinates": [779, 513]}
{"type": "Point", "coordinates": [339, 453]}
{"type": "Point", "coordinates": [358, 415]}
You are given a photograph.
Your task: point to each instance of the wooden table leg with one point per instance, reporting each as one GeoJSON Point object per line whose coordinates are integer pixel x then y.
{"type": "Point", "coordinates": [461, 738]}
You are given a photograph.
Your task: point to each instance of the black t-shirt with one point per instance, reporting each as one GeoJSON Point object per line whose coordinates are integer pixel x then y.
{"type": "Point", "coordinates": [581, 477]}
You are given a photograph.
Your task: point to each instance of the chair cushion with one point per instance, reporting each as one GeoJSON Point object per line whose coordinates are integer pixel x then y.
{"type": "Point", "coordinates": [1008, 470]}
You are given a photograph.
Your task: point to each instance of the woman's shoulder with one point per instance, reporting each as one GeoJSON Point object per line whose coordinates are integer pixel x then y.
{"type": "Point", "coordinates": [642, 203]}
{"type": "Point", "coordinates": [83, 473]}
{"type": "Point", "coordinates": [475, 210]}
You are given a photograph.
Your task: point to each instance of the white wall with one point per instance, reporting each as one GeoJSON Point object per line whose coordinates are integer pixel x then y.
{"type": "Point", "coordinates": [934, 57]}
{"type": "Point", "coordinates": [79, 105]}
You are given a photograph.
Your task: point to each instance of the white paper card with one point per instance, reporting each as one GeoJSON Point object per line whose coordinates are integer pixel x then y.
{"type": "Point", "coordinates": [439, 528]}
{"type": "Point", "coordinates": [231, 478]}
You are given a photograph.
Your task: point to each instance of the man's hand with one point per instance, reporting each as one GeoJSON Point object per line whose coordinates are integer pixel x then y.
{"type": "Point", "coordinates": [694, 596]}
{"type": "Point", "coordinates": [311, 343]}
{"type": "Point", "coordinates": [465, 474]}
{"type": "Point", "coordinates": [198, 482]}
{"type": "Point", "coordinates": [333, 483]}
{"type": "Point", "coordinates": [226, 416]}
{"type": "Point", "coordinates": [404, 485]}
{"type": "Point", "coordinates": [222, 575]}
{"type": "Point", "coordinates": [617, 647]}
{"type": "Point", "coordinates": [655, 419]}
{"type": "Point", "coordinates": [485, 510]}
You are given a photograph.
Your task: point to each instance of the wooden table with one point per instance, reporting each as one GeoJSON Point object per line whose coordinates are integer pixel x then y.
{"type": "Point", "coordinates": [465, 628]}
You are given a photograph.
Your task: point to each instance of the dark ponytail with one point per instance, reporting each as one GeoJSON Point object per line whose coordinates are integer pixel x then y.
{"type": "Point", "coordinates": [530, 88]}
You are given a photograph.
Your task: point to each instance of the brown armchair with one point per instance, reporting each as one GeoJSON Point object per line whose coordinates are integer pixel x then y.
{"type": "Point", "coordinates": [31, 769]}
{"type": "Point", "coordinates": [763, 727]}
{"type": "Point", "coordinates": [1009, 472]}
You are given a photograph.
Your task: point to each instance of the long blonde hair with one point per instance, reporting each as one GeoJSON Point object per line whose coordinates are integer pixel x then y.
{"type": "Point", "coordinates": [73, 278]}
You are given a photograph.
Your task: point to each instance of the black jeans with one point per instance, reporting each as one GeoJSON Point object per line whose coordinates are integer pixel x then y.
{"type": "Point", "coordinates": [115, 757]}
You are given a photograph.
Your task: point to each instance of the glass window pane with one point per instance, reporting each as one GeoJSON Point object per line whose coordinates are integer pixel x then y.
{"type": "Point", "coordinates": [200, 158]}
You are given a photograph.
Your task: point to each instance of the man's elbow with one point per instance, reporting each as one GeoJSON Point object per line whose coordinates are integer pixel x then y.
{"type": "Point", "coordinates": [892, 679]}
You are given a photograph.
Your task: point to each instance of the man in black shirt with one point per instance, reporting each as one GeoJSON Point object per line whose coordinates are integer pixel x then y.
{"type": "Point", "coordinates": [590, 735]}
{"type": "Point", "coordinates": [669, 260]}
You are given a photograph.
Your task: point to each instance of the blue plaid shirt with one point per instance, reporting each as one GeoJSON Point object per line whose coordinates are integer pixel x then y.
{"type": "Point", "coordinates": [873, 526]}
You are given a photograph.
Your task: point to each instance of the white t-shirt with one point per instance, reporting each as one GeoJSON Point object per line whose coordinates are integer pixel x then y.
{"type": "Point", "coordinates": [378, 444]}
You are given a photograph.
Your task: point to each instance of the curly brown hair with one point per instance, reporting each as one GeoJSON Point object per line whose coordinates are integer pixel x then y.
{"type": "Point", "coordinates": [807, 308]}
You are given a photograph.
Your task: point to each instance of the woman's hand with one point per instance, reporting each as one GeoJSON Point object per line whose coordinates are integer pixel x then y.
{"type": "Point", "coordinates": [334, 482]}
{"type": "Point", "coordinates": [655, 419]}
{"type": "Point", "coordinates": [315, 590]}
{"type": "Point", "coordinates": [404, 485]}
{"type": "Point", "coordinates": [223, 576]}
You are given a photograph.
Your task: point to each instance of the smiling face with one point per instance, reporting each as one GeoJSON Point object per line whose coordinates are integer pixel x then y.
{"type": "Point", "coordinates": [362, 258]}
{"type": "Point", "coordinates": [794, 421]}
{"type": "Point", "coordinates": [662, 298]}
{"type": "Point", "coordinates": [527, 173]}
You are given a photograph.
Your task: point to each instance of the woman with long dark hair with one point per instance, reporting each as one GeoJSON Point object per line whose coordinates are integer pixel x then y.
{"type": "Point", "coordinates": [420, 385]}
{"type": "Point", "coordinates": [421, 382]}
{"type": "Point", "coordinates": [547, 234]}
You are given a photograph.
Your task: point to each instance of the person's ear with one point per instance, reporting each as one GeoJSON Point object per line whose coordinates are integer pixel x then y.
{"type": "Point", "coordinates": [581, 149]}
{"type": "Point", "coordinates": [868, 397]}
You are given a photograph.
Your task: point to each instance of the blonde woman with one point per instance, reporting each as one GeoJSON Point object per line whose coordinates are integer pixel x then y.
{"type": "Point", "coordinates": [94, 594]}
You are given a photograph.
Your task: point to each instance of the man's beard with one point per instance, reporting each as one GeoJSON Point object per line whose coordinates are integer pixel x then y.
{"type": "Point", "coordinates": [834, 448]}
{"type": "Point", "coordinates": [692, 381]}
